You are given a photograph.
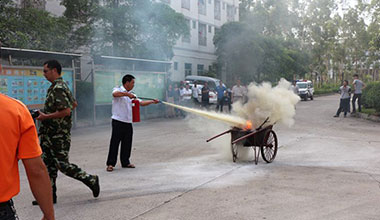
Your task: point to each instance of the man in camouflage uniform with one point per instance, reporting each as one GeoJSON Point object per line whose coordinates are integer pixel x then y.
{"type": "Point", "coordinates": [55, 131]}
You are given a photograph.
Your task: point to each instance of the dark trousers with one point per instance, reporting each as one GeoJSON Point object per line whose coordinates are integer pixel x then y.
{"type": "Point", "coordinates": [205, 104]}
{"type": "Point", "coordinates": [56, 148]}
{"type": "Point", "coordinates": [121, 132]}
{"type": "Point", "coordinates": [7, 211]}
{"type": "Point", "coordinates": [359, 98]}
{"type": "Point", "coordinates": [344, 106]}
{"type": "Point", "coordinates": [220, 104]}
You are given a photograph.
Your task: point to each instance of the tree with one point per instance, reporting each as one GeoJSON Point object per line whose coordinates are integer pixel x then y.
{"type": "Point", "coordinates": [141, 28]}
{"type": "Point", "coordinates": [251, 56]}
{"type": "Point", "coordinates": [32, 28]}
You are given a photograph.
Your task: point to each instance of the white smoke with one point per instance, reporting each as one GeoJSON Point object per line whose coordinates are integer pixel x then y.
{"type": "Point", "coordinates": [277, 103]}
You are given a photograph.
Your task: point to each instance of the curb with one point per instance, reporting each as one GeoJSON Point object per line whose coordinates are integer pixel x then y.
{"type": "Point", "coordinates": [366, 116]}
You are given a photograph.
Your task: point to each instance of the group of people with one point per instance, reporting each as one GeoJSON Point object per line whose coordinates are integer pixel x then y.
{"type": "Point", "coordinates": [189, 96]}
{"type": "Point", "coordinates": [345, 96]}
{"type": "Point", "coordinates": [44, 157]}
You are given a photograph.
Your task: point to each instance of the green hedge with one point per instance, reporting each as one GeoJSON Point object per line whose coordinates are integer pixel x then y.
{"type": "Point", "coordinates": [326, 88]}
{"type": "Point", "coordinates": [371, 96]}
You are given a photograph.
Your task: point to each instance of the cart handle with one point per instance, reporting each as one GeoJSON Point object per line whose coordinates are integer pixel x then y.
{"type": "Point", "coordinates": [228, 131]}
{"type": "Point", "coordinates": [266, 120]}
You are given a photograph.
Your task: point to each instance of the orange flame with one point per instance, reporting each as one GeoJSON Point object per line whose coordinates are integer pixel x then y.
{"type": "Point", "coordinates": [248, 125]}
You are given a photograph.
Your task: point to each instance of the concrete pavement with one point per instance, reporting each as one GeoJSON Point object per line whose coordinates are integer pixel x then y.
{"type": "Point", "coordinates": [326, 168]}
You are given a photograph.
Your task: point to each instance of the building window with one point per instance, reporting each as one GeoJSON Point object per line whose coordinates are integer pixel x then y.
{"type": "Point", "coordinates": [186, 39]}
{"type": "Point", "coordinates": [200, 69]}
{"type": "Point", "coordinates": [217, 10]}
{"type": "Point", "coordinates": [210, 68]}
{"type": "Point", "coordinates": [202, 34]}
{"type": "Point", "coordinates": [209, 29]}
{"type": "Point", "coordinates": [202, 7]}
{"type": "Point", "coordinates": [230, 13]}
{"type": "Point", "coordinates": [185, 4]}
{"type": "Point", "coordinates": [194, 24]}
{"type": "Point", "coordinates": [175, 65]}
{"type": "Point", "coordinates": [187, 69]}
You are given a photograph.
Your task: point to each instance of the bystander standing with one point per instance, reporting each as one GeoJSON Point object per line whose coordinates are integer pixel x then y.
{"type": "Point", "coordinates": [345, 96]}
{"type": "Point", "coordinates": [220, 89]}
{"type": "Point", "coordinates": [238, 92]}
{"type": "Point", "coordinates": [205, 96]}
{"type": "Point", "coordinates": [358, 85]}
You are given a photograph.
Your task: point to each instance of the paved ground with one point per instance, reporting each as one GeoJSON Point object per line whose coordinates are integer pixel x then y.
{"type": "Point", "coordinates": [326, 168]}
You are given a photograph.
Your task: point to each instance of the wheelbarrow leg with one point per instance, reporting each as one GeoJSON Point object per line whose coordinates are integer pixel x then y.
{"type": "Point", "coordinates": [256, 152]}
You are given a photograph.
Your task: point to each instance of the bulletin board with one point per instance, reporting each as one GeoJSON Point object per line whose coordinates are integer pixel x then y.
{"type": "Point", "coordinates": [28, 84]}
{"type": "Point", "coordinates": [149, 85]}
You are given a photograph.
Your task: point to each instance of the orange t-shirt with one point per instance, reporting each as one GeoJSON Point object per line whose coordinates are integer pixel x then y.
{"type": "Point", "coordinates": [18, 140]}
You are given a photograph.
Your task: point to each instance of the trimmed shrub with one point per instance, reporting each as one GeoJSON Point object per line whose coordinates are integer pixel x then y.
{"type": "Point", "coordinates": [327, 88]}
{"type": "Point", "coordinates": [371, 96]}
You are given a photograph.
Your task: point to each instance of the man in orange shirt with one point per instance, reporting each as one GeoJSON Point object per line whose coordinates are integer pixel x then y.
{"type": "Point", "coordinates": [18, 140]}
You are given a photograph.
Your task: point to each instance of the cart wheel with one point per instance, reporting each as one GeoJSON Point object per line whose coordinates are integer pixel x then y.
{"type": "Point", "coordinates": [269, 148]}
{"type": "Point", "coordinates": [234, 150]}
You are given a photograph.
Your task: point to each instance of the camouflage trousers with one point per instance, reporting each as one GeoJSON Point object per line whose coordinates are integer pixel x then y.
{"type": "Point", "coordinates": [55, 150]}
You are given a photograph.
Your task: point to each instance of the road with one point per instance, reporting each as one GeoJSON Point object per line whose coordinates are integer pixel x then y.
{"type": "Point", "coordinates": [326, 168]}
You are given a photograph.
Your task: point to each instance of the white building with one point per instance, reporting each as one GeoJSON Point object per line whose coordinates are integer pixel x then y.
{"type": "Point", "coordinates": [196, 54]}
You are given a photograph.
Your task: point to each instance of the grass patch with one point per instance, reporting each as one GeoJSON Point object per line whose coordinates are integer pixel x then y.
{"type": "Point", "coordinates": [370, 111]}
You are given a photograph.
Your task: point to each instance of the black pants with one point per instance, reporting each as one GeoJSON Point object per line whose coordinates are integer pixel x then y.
{"type": "Point", "coordinates": [7, 211]}
{"type": "Point", "coordinates": [121, 132]}
{"type": "Point", "coordinates": [344, 106]}
{"type": "Point", "coordinates": [220, 104]}
{"type": "Point", "coordinates": [359, 98]}
{"type": "Point", "coordinates": [205, 104]}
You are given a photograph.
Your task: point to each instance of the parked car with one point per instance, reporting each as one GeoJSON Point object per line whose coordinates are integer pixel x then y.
{"type": "Point", "coordinates": [200, 80]}
{"type": "Point", "coordinates": [305, 89]}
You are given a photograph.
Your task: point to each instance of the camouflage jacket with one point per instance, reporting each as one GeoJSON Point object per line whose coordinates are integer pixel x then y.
{"type": "Point", "coordinates": [58, 97]}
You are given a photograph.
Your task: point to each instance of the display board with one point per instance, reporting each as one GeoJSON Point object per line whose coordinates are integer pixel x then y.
{"type": "Point", "coordinates": [151, 85]}
{"type": "Point", "coordinates": [28, 85]}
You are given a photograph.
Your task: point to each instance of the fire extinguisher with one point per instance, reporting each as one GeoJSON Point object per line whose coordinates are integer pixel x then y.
{"type": "Point", "coordinates": [135, 110]}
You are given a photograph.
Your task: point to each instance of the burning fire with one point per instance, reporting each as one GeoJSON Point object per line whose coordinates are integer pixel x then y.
{"type": "Point", "coordinates": [248, 125]}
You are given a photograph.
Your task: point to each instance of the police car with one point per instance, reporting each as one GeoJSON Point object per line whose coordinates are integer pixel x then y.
{"type": "Point", "coordinates": [305, 89]}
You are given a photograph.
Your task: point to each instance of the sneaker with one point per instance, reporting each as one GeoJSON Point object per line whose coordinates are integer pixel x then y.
{"type": "Point", "coordinates": [96, 187]}
{"type": "Point", "coordinates": [335, 116]}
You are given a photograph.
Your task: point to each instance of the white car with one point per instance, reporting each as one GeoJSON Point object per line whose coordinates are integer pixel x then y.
{"type": "Point", "coordinates": [200, 80]}
{"type": "Point", "coordinates": [305, 89]}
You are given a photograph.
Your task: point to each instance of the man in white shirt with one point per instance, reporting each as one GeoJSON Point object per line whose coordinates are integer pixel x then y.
{"type": "Point", "coordinates": [122, 130]}
{"type": "Point", "coordinates": [238, 92]}
{"type": "Point", "coordinates": [185, 94]}
{"type": "Point", "coordinates": [295, 87]}
{"type": "Point", "coordinates": [194, 90]}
